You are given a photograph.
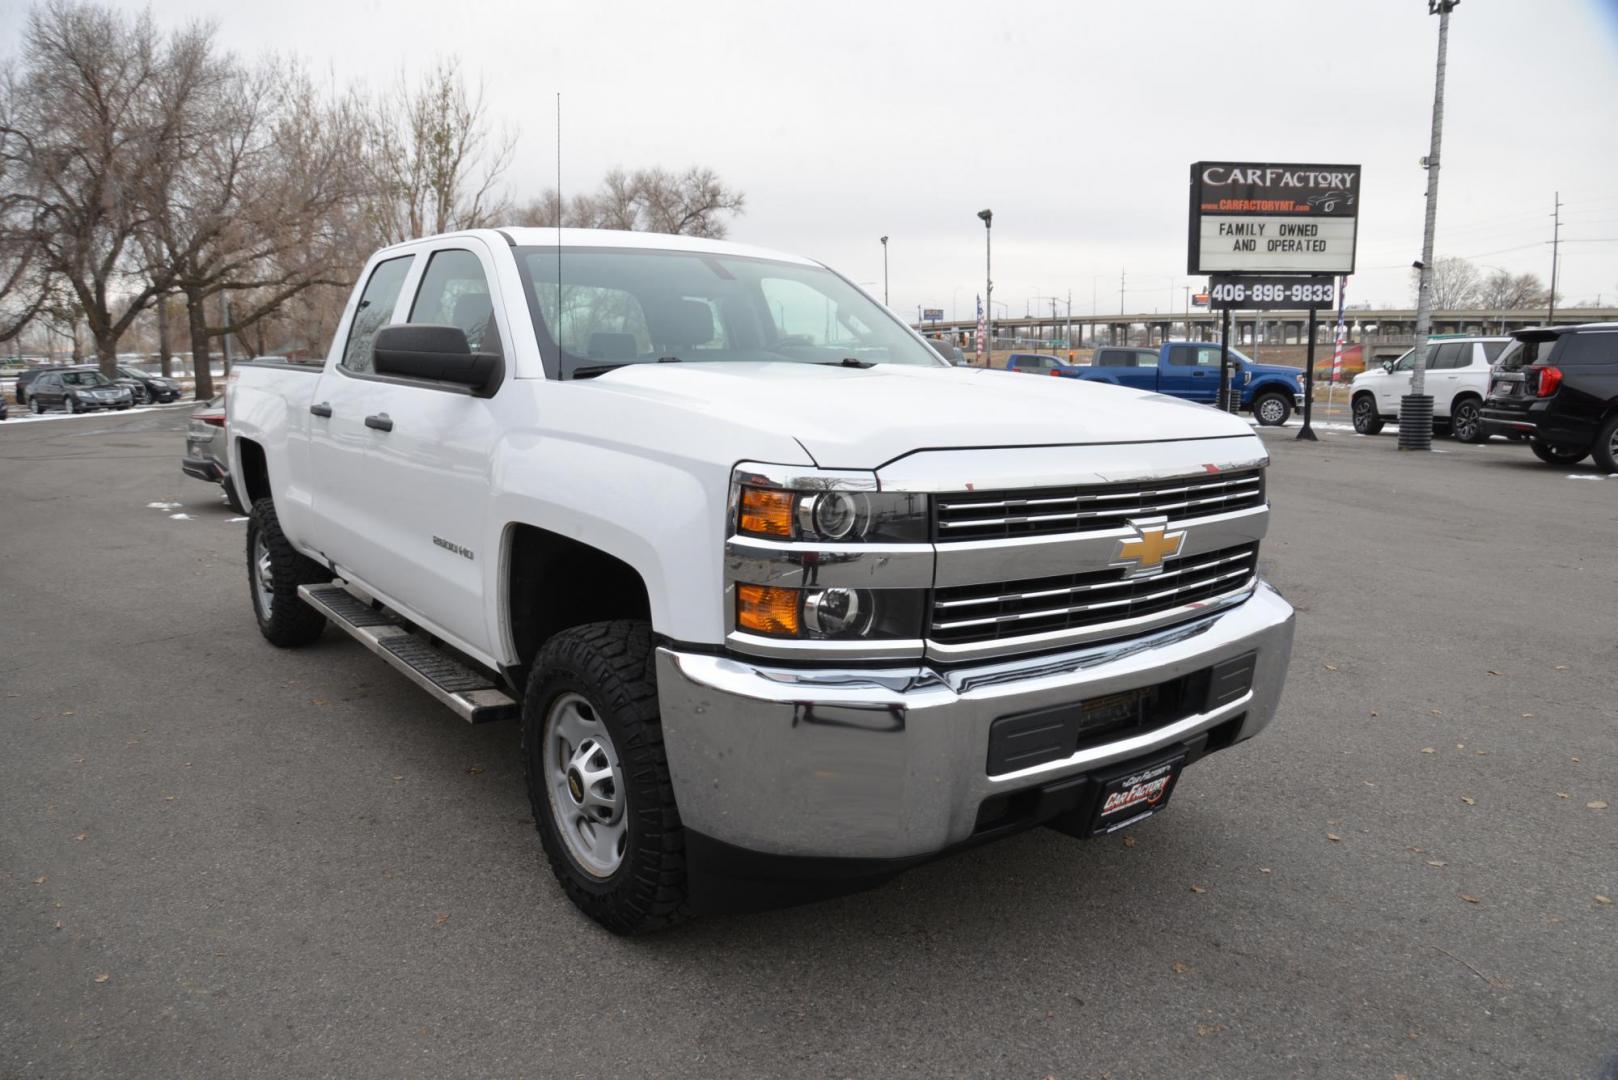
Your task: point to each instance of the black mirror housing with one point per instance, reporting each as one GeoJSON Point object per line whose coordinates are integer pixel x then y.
{"type": "Point", "coordinates": [437, 354]}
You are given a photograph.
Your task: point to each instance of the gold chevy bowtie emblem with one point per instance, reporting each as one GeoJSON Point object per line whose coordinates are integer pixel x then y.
{"type": "Point", "coordinates": [1148, 549]}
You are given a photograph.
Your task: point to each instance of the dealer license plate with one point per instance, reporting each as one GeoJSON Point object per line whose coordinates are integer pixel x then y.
{"type": "Point", "coordinates": [1135, 796]}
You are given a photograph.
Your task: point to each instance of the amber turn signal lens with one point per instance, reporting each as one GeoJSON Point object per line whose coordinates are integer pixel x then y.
{"type": "Point", "coordinates": [765, 609]}
{"type": "Point", "coordinates": [766, 513]}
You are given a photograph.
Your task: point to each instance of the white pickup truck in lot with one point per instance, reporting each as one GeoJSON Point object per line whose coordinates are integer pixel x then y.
{"type": "Point", "coordinates": [784, 602]}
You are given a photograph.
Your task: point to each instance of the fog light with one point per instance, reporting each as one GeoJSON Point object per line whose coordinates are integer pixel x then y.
{"type": "Point", "coordinates": [834, 611]}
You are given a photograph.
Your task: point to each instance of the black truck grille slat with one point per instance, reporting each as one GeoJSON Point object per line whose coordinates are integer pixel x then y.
{"type": "Point", "coordinates": [991, 515]}
{"type": "Point", "coordinates": [1012, 609]}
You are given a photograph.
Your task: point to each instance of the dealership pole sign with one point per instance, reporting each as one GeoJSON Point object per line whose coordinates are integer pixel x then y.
{"type": "Point", "coordinates": [1256, 218]}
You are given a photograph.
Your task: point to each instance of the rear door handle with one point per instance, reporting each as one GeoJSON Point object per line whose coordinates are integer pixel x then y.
{"type": "Point", "coordinates": [320, 408]}
{"type": "Point", "coordinates": [381, 422]}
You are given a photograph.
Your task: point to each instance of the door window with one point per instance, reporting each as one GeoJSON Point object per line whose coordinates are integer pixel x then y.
{"type": "Point", "coordinates": [1492, 349]}
{"type": "Point", "coordinates": [375, 311]}
{"type": "Point", "coordinates": [1451, 355]}
{"type": "Point", "coordinates": [1194, 356]}
{"type": "Point", "coordinates": [454, 291]}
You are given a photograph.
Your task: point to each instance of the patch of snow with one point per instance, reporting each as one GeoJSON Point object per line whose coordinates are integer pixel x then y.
{"type": "Point", "coordinates": [233, 521]}
{"type": "Point", "coordinates": [180, 517]}
{"type": "Point", "coordinates": [1583, 476]}
{"type": "Point", "coordinates": [161, 506]}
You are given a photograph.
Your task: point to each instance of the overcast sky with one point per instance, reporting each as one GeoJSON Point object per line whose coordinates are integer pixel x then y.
{"type": "Point", "coordinates": [1075, 121]}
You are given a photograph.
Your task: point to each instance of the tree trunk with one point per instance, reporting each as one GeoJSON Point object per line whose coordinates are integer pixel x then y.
{"type": "Point", "coordinates": [164, 352]}
{"type": "Point", "coordinates": [107, 355]}
{"type": "Point", "coordinates": [201, 362]}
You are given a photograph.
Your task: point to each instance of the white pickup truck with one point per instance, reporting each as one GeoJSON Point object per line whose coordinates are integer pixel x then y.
{"type": "Point", "coordinates": [784, 602]}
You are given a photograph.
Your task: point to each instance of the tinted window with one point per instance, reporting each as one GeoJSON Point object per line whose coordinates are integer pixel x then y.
{"type": "Point", "coordinates": [1589, 349]}
{"type": "Point", "coordinates": [1202, 356]}
{"type": "Point", "coordinates": [455, 292]}
{"type": "Point", "coordinates": [375, 311]}
{"type": "Point", "coordinates": [1115, 358]}
{"type": "Point", "coordinates": [1492, 349]}
{"type": "Point", "coordinates": [1519, 354]}
{"type": "Point", "coordinates": [1451, 354]}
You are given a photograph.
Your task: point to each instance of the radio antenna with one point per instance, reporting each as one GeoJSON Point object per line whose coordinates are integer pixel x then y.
{"type": "Point", "coordinates": [559, 205]}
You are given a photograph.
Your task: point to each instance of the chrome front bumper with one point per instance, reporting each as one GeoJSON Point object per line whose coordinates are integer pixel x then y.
{"type": "Point", "coordinates": [892, 763]}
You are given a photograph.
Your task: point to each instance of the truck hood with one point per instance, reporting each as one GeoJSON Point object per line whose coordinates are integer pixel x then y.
{"type": "Point", "coordinates": [863, 418]}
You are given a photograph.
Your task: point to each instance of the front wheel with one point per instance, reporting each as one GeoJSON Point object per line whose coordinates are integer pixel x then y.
{"type": "Point", "coordinates": [275, 569]}
{"type": "Point", "coordinates": [1606, 446]}
{"type": "Point", "coordinates": [1366, 420]}
{"type": "Point", "coordinates": [70, 404]}
{"type": "Point", "coordinates": [1272, 410]}
{"type": "Point", "coordinates": [598, 779]}
{"type": "Point", "coordinates": [1556, 455]}
{"type": "Point", "coordinates": [35, 407]}
{"type": "Point", "coordinates": [1466, 422]}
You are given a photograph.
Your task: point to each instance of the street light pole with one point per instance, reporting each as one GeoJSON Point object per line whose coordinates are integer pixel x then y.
{"type": "Point", "coordinates": [884, 271]}
{"type": "Point", "coordinates": [1416, 407]}
{"type": "Point", "coordinates": [987, 217]}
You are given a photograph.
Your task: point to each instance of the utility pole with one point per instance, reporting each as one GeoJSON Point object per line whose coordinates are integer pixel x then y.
{"type": "Point", "coordinates": [987, 217]}
{"type": "Point", "coordinates": [1556, 242]}
{"type": "Point", "coordinates": [884, 271]}
{"type": "Point", "coordinates": [1416, 407]}
{"type": "Point", "coordinates": [1120, 292]}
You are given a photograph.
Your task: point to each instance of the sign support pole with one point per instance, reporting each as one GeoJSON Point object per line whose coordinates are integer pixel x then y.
{"type": "Point", "coordinates": [1307, 432]}
{"type": "Point", "coordinates": [1224, 361]}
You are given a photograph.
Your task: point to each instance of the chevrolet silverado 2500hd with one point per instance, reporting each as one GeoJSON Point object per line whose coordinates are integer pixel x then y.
{"type": "Point", "coordinates": [784, 602]}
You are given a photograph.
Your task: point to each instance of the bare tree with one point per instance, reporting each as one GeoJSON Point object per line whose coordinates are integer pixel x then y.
{"type": "Point", "coordinates": [25, 282]}
{"type": "Point", "coordinates": [251, 199]}
{"type": "Point", "coordinates": [1502, 291]}
{"type": "Point", "coordinates": [432, 164]}
{"type": "Point", "coordinates": [692, 203]}
{"type": "Point", "coordinates": [86, 104]}
{"type": "Point", "coordinates": [1455, 284]}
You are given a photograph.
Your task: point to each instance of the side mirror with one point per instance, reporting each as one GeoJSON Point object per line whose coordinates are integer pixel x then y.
{"type": "Point", "coordinates": [437, 354]}
{"type": "Point", "coordinates": [1387, 365]}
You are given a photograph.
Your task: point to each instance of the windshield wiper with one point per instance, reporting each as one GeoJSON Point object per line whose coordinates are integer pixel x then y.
{"type": "Point", "coordinates": [847, 361]}
{"type": "Point", "coordinates": [590, 371]}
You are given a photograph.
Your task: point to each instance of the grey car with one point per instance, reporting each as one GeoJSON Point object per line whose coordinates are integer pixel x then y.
{"type": "Point", "coordinates": [77, 390]}
{"type": "Point", "coordinates": [206, 449]}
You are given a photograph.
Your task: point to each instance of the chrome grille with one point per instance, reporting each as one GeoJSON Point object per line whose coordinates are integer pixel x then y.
{"type": "Point", "coordinates": [977, 613]}
{"type": "Point", "coordinates": [990, 515]}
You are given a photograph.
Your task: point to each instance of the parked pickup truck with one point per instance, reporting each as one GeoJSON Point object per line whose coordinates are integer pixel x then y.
{"type": "Point", "coordinates": [1190, 370]}
{"type": "Point", "coordinates": [783, 602]}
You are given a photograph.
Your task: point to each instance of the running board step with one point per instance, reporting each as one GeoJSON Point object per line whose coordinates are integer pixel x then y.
{"type": "Point", "coordinates": [470, 694]}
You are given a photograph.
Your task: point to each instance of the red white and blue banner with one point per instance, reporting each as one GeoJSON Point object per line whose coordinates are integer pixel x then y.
{"type": "Point", "coordinates": [983, 331]}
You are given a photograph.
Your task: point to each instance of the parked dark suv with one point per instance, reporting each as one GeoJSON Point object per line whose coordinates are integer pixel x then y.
{"type": "Point", "coordinates": [1559, 386]}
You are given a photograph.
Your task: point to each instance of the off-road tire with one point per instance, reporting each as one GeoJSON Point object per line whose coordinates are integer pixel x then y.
{"type": "Point", "coordinates": [1272, 410]}
{"type": "Point", "coordinates": [613, 666]}
{"type": "Point", "coordinates": [1366, 420]}
{"type": "Point", "coordinates": [1466, 421]}
{"type": "Point", "coordinates": [1606, 446]}
{"type": "Point", "coordinates": [1553, 455]}
{"type": "Point", "coordinates": [291, 622]}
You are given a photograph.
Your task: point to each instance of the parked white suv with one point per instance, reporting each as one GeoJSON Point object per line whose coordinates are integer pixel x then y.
{"type": "Point", "coordinates": [1457, 379]}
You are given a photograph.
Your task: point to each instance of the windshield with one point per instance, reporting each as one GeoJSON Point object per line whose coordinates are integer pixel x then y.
{"type": "Point", "coordinates": [620, 306]}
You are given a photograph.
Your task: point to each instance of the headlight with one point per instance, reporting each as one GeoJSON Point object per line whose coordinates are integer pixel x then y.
{"type": "Point", "coordinates": [824, 560]}
{"type": "Point", "coordinates": [831, 515]}
{"type": "Point", "coordinates": [1300, 383]}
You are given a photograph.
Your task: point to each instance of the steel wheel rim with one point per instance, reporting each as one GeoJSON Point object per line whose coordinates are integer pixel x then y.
{"type": "Point", "coordinates": [263, 577]}
{"type": "Point", "coordinates": [585, 784]}
{"type": "Point", "coordinates": [1271, 410]}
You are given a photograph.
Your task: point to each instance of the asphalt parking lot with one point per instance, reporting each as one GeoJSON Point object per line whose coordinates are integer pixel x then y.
{"type": "Point", "coordinates": [220, 859]}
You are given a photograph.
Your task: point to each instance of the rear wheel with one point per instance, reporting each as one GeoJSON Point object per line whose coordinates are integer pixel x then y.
{"type": "Point", "coordinates": [1606, 446]}
{"type": "Point", "coordinates": [1556, 455]}
{"type": "Point", "coordinates": [275, 569]}
{"type": "Point", "coordinates": [598, 779]}
{"type": "Point", "coordinates": [1366, 421]}
{"type": "Point", "coordinates": [1466, 422]}
{"type": "Point", "coordinates": [1272, 410]}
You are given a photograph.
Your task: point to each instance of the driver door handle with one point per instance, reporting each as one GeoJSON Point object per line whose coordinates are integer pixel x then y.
{"type": "Point", "coordinates": [320, 408]}
{"type": "Point", "coordinates": [381, 422]}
